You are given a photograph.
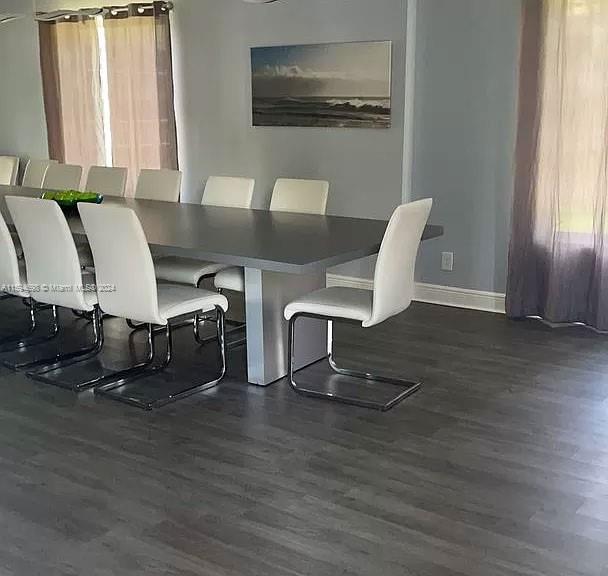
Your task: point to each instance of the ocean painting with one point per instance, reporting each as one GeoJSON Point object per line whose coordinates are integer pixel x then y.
{"type": "Point", "coordinates": [331, 85]}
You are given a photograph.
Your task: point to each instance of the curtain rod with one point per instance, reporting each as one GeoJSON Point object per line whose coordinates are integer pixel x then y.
{"type": "Point", "coordinates": [59, 15]}
{"type": "Point", "coordinates": [165, 6]}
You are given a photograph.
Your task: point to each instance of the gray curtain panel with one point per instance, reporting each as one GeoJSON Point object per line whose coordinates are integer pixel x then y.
{"type": "Point", "coordinates": [49, 68]}
{"type": "Point", "coordinates": [69, 60]}
{"type": "Point", "coordinates": [558, 262]}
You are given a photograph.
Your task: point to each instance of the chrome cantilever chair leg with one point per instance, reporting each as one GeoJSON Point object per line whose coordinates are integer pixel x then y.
{"type": "Point", "coordinates": [135, 326]}
{"type": "Point", "coordinates": [207, 340]}
{"type": "Point", "coordinates": [70, 357]}
{"type": "Point", "coordinates": [408, 387]}
{"type": "Point", "coordinates": [42, 374]}
{"type": "Point", "coordinates": [203, 341]}
{"type": "Point", "coordinates": [196, 325]}
{"type": "Point", "coordinates": [238, 327]}
{"type": "Point", "coordinates": [221, 339]}
{"type": "Point", "coordinates": [27, 342]}
{"type": "Point", "coordinates": [108, 385]}
{"type": "Point", "coordinates": [127, 374]}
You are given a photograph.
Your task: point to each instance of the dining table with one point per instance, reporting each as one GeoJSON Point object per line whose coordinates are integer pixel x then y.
{"type": "Point", "coordinates": [284, 256]}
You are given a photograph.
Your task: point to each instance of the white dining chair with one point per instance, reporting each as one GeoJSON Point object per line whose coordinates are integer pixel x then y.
{"type": "Point", "coordinates": [107, 181]}
{"type": "Point", "coordinates": [9, 168]}
{"type": "Point", "coordinates": [13, 279]}
{"type": "Point", "coordinates": [12, 271]}
{"type": "Point", "coordinates": [62, 177]}
{"type": "Point", "coordinates": [33, 177]}
{"type": "Point", "coordinates": [158, 184]}
{"type": "Point", "coordinates": [220, 191]}
{"type": "Point", "coordinates": [228, 192]}
{"type": "Point", "coordinates": [35, 171]}
{"type": "Point", "coordinates": [53, 269]}
{"type": "Point", "coordinates": [123, 261]}
{"type": "Point", "coordinates": [301, 196]}
{"type": "Point", "coordinates": [13, 283]}
{"type": "Point", "coordinates": [392, 293]}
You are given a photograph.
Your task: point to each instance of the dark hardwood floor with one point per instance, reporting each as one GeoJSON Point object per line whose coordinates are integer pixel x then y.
{"type": "Point", "coordinates": [499, 466]}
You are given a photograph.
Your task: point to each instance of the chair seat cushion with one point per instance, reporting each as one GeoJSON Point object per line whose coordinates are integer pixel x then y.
{"type": "Point", "coordinates": [185, 270]}
{"type": "Point", "coordinates": [335, 302]}
{"type": "Point", "coordinates": [231, 279]}
{"type": "Point", "coordinates": [176, 299]}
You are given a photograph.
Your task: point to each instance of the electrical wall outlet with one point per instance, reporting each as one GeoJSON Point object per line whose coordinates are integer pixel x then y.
{"type": "Point", "coordinates": [447, 261]}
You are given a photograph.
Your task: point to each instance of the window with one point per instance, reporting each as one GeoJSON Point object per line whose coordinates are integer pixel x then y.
{"type": "Point", "coordinates": [108, 89]}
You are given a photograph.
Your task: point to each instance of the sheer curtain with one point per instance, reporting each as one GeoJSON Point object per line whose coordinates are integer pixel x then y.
{"type": "Point", "coordinates": [108, 89]}
{"type": "Point", "coordinates": [558, 264]}
{"type": "Point", "coordinates": [69, 58]}
{"type": "Point", "coordinates": [140, 82]}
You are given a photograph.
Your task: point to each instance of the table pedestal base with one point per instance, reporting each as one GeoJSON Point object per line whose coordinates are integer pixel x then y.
{"type": "Point", "coordinates": [266, 295]}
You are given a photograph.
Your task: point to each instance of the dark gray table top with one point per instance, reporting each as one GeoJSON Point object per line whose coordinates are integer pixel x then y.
{"type": "Point", "coordinates": [276, 241]}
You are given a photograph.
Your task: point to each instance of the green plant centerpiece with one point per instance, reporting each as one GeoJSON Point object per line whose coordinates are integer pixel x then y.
{"type": "Point", "coordinates": [69, 198]}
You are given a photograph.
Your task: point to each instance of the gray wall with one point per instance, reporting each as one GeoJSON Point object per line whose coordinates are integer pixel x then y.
{"type": "Point", "coordinates": [465, 122]}
{"type": "Point", "coordinates": [465, 117]}
{"type": "Point", "coordinates": [465, 108]}
{"type": "Point", "coordinates": [216, 136]}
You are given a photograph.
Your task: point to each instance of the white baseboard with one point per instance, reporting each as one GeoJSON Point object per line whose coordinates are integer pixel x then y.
{"type": "Point", "coordinates": [461, 297]}
{"type": "Point", "coordinates": [435, 294]}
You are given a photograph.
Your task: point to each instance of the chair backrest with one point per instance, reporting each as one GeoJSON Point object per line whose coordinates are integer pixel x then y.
{"type": "Point", "coordinates": [62, 177]}
{"type": "Point", "coordinates": [228, 191]}
{"type": "Point", "coordinates": [51, 259]}
{"type": "Point", "coordinates": [35, 171]}
{"type": "Point", "coordinates": [106, 181]}
{"type": "Point", "coordinates": [159, 185]}
{"type": "Point", "coordinates": [304, 196]}
{"type": "Point", "coordinates": [9, 264]}
{"type": "Point", "coordinates": [9, 168]}
{"type": "Point", "coordinates": [394, 276]}
{"type": "Point", "coordinates": [122, 261]}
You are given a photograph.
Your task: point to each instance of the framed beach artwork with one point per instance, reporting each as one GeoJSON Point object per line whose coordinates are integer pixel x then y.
{"type": "Point", "coordinates": [344, 85]}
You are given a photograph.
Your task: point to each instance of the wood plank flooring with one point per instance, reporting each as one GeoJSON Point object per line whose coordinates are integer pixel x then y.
{"type": "Point", "coordinates": [499, 466]}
